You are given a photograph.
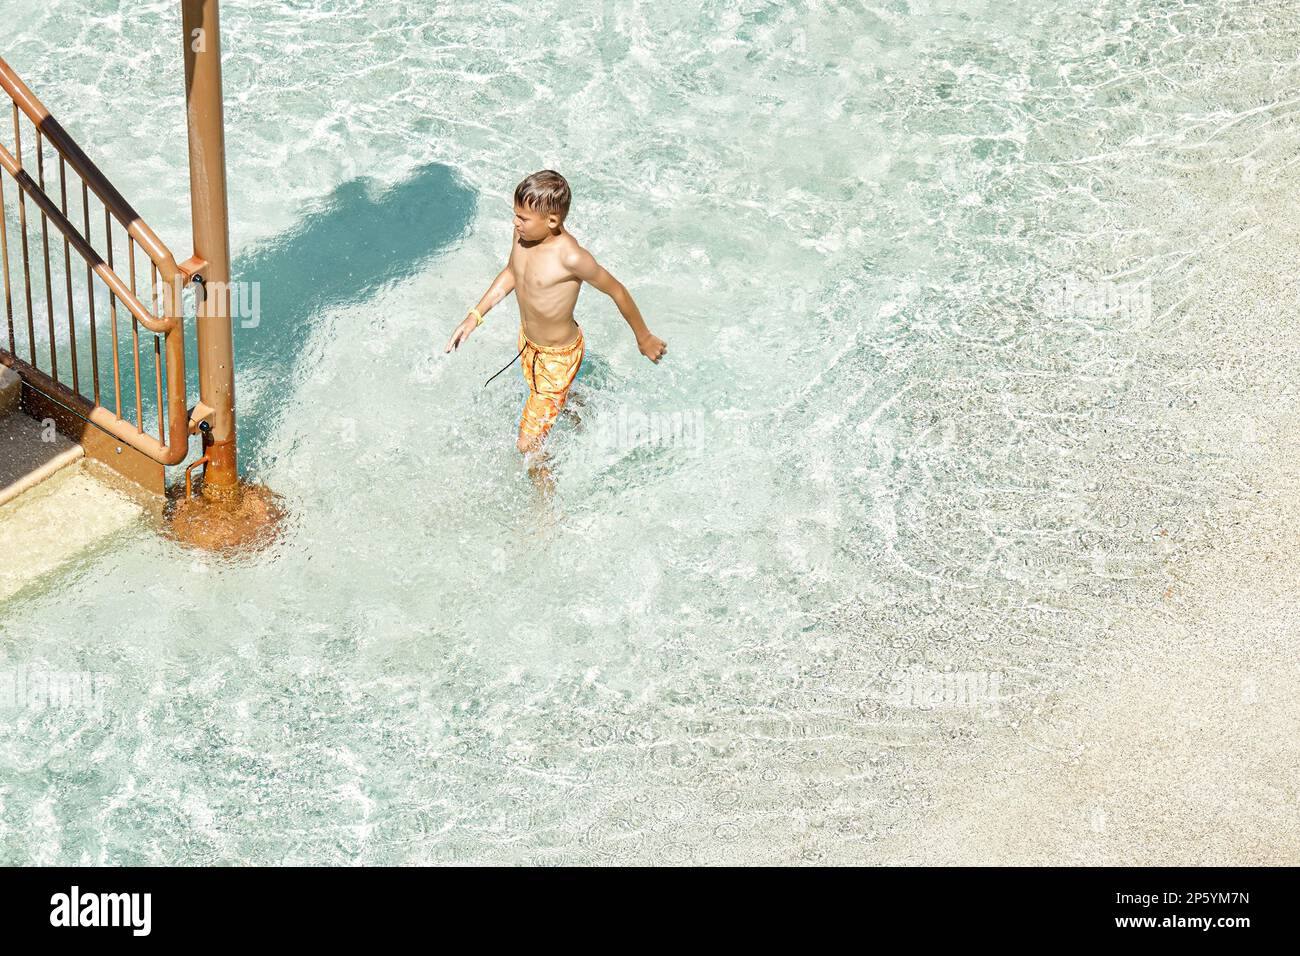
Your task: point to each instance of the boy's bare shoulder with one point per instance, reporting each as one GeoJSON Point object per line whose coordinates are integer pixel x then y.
{"type": "Point", "coordinates": [572, 256]}
{"type": "Point", "coordinates": [567, 245]}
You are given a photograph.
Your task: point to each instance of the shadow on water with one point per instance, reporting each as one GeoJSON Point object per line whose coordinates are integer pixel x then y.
{"type": "Point", "coordinates": [356, 241]}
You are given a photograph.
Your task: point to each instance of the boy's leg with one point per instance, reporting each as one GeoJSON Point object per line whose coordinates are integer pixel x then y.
{"type": "Point", "coordinates": [538, 418]}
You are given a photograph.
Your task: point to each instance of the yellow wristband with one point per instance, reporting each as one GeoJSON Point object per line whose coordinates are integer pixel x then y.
{"type": "Point", "coordinates": [478, 317]}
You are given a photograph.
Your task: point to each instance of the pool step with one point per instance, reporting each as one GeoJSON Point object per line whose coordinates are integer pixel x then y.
{"type": "Point", "coordinates": [52, 507]}
{"type": "Point", "coordinates": [30, 451]}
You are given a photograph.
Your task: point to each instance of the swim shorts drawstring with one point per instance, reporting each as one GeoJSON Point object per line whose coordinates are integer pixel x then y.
{"type": "Point", "coordinates": [510, 363]}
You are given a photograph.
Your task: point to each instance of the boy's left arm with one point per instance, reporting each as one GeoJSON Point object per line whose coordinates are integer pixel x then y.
{"type": "Point", "coordinates": [584, 265]}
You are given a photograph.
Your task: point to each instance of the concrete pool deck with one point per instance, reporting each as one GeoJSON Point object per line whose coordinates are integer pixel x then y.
{"type": "Point", "coordinates": [29, 452]}
{"type": "Point", "coordinates": [52, 507]}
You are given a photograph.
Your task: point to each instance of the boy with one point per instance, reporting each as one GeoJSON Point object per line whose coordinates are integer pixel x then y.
{"type": "Point", "coordinates": [546, 269]}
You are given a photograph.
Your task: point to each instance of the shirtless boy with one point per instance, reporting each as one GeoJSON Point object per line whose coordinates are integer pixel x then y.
{"type": "Point", "coordinates": [546, 269]}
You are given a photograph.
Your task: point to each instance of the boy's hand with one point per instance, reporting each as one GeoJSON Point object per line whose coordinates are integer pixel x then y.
{"type": "Point", "coordinates": [462, 332]}
{"type": "Point", "coordinates": [652, 347]}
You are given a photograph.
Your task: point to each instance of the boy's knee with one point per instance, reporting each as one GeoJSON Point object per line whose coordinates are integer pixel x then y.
{"type": "Point", "coordinates": [526, 445]}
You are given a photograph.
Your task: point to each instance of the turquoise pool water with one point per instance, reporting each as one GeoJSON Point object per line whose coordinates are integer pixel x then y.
{"type": "Point", "coordinates": [941, 400]}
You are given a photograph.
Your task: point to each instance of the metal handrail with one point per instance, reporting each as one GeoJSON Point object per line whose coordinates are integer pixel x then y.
{"type": "Point", "coordinates": [107, 193]}
{"type": "Point", "coordinates": [171, 445]}
{"type": "Point", "coordinates": [93, 259]}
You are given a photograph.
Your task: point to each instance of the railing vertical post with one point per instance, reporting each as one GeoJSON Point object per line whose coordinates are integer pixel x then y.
{"type": "Point", "coordinates": [208, 208]}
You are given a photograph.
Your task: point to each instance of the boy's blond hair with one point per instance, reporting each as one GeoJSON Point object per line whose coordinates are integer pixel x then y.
{"type": "Point", "coordinates": [544, 191]}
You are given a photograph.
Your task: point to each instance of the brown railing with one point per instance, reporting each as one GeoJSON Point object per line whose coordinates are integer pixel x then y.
{"type": "Point", "coordinates": [138, 396]}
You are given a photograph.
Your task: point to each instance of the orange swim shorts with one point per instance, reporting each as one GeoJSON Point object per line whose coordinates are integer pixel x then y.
{"type": "Point", "coordinates": [549, 372]}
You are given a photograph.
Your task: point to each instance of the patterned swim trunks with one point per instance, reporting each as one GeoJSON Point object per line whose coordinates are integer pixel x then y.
{"type": "Point", "coordinates": [549, 372]}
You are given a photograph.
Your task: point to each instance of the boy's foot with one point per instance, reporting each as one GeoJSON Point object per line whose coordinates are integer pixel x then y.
{"type": "Point", "coordinates": [542, 477]}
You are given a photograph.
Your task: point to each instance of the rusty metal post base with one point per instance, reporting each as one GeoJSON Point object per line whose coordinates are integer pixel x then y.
{"type": "Point", "coordinates": [236, 519]}
{"type": "Point", "coordinates": [220, 477]}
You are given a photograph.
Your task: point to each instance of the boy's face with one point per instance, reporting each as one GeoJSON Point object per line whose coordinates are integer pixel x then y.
{"type": "Point", "coordinates": [533, 226]}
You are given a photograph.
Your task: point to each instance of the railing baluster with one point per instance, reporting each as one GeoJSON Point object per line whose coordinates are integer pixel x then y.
{"type": "Point", "coordinates": [154, 299]}
{"type": "Point", "coordinates": [135, 341]}
{"type": "Point", "coordinates": [4, 254]}
{"type": "Point", "coordinates": [67, 274]}
{"type": "Point", "coordinates": [45, 253]}
{"type": "Point", "coordinates": [22, 228]}
{"type": "Point", "coordinates": [90, 292]}
{"type": "Point", "coordinates": [112, 306]}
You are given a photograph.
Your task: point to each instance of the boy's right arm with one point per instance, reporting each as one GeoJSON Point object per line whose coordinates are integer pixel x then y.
{"type": "Point", "coordinates": [501, 287]}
